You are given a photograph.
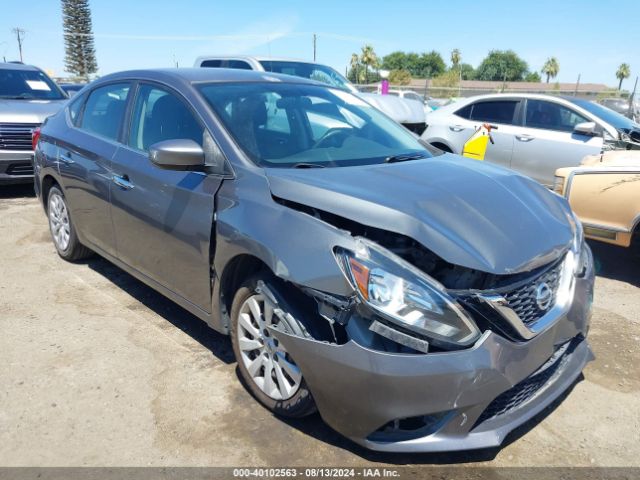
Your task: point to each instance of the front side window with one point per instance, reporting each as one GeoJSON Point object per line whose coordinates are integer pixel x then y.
{"type": "Point", "coordinates": [21, 84]}
{"type": "Point", "coordinates": [159, 115]}
{"type": "Point", "coordinates": [500, 111]}
{"type": "Point", "coordinates": [104, 110]}
{"type": "Point", "coordinates": [551, 116]}
{"type": "Point", "coordinates": [284, 125]}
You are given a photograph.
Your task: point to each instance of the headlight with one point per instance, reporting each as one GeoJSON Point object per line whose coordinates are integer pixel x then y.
{"type": "Point", "coordinates": [404, 295]}
{"type": "Point", "coordinates": [581, 253]}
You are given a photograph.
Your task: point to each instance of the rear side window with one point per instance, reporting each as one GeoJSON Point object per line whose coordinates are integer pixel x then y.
{"type": "Point", "coordinates": [465, 112]}
{"type": "Point", "coordinates": [211, 63]}
{"type": "Point", "coordinates": [240, 64]}
{"type": "Point", "coordinates": [551, 116]}
{"type": "Point", "coordinates": [74, 109]}
{"type": "Point", "coordinates": [104, 110]}
{"type": "Point", "coordinates": [159, 115]}
{"type": "Point", "coordinates": [500, 111]}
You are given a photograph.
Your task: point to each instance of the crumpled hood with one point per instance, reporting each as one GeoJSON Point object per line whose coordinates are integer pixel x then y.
{"type": "Point", "coordinates": [28, 111]}
{"type": "Point", "coordinates": [467, 212]}
{"type": "Point", "coordinates": [400, 109]}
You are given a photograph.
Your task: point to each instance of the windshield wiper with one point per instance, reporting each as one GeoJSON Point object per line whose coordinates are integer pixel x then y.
{"type": "Point", "coordinates": [17, 97]}
{"type": "Point", "coordinates": [307, 165]}
{"type": "Point", "coordinates": [403, 157]}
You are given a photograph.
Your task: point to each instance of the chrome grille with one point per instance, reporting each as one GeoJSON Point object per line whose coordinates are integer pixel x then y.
{"type": "Point", "coordinates": [16, 136]}
{"type": "Point", "coordinates": [522, 300]}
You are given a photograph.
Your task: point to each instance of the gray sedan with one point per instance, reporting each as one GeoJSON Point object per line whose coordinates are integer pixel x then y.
{"type": "Point", "coordinates": [418, 300]}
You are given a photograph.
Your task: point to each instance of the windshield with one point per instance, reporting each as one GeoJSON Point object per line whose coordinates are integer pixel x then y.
{"type": "Point", "coordinates": [295, 125]}
{"type": "Point", "coordinates": [312, 71]}
{"type": "Point", "coordinates": [620, 122]}
{"type": "Point", "coordinates": [28, 84]}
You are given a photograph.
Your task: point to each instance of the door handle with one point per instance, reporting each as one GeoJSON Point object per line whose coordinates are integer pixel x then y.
{"type": "Point", "coordinates": [65, 157]}
{"type": "Point", "coordinates": [122, 181]}
{"type": "Point", "coordinates": [524, 138]}
{"type": "Point", "coordinates": [456, 128]}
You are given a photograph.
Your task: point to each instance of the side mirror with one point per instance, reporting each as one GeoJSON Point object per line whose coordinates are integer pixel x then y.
{"type": "Point", "coordinates": [585, 128]}
{"type": "Point", "coordinates": [181, 154]}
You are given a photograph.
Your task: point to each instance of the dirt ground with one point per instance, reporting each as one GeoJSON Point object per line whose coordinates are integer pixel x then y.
{"type": "Point", "coordinates": [96, 369]}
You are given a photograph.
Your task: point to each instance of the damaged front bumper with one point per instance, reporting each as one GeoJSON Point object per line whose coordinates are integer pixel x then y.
{"type": "Point", "coordinates": [445, 401]}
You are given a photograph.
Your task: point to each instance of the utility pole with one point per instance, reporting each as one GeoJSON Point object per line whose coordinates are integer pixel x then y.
{"type": "Point", "coordinates": [314, 47]}
{"type": "Point", "coordinates": [20, 35]}
{"type": "Point", "coordinates": [633, 95]}
{"type": "Point", "coordinates": [575, 92]}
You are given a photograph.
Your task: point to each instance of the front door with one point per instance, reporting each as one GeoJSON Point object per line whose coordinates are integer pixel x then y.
{"type": "Point", "coordinates": [163, 219]}
{"type": "Point", "coordinates": [547, 141]}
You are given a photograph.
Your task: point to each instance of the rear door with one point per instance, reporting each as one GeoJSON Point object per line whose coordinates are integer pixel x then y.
{"type": "Point", "coordinates": [547, 141]}
{"type": "Point", "coordinates": [84, 160]}
{"type": "Point", "coordinates": [163, 219]}
{"type": "Point", "coordinates": [503, 114]}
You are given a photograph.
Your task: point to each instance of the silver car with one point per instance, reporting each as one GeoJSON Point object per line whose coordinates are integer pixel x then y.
{"type": "Point", "coordinates": [535, 134]}
{"type": "Point", "coordinates": [27, 97]}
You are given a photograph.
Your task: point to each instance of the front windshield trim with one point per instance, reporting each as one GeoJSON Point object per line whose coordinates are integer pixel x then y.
{"type": "Point", "coordinates": [235, 111]}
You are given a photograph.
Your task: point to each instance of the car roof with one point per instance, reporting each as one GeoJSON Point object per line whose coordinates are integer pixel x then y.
{"type": "Point", "coordinates": [258, 58]}
{"type": "Point", "coordinates": [201, 75]}
{"type": "Point", "coordinates": [17, 66]}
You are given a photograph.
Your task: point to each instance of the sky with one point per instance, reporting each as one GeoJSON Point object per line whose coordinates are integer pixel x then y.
{"type": "Point", "coordinates": [590, 38]}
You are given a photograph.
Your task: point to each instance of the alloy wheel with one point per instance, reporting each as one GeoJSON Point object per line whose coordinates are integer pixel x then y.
{"type": "Point", "coordinates": [59, 221]}
{"type": "Point", "coordinates": [266, 360]}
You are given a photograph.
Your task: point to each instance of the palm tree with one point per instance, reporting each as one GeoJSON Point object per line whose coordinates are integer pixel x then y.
{"type": "Point", "coordinates": [368, 58]}
{"type": "Point", "coordinates": [624, 71]}
{"type": "Point", "coordinates": [455, 58]}
{"type": "Point", "coordinates": [355, 65]}
{"type": "Point", "coordinates": [551, 68]}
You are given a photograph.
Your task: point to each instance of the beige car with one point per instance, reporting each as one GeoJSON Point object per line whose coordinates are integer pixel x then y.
{"type": "Point", "coordinates": [604, 192]}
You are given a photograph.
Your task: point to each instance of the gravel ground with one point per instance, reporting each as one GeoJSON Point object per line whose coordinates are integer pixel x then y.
{"type": "Point", "coordinates": [99, 370]}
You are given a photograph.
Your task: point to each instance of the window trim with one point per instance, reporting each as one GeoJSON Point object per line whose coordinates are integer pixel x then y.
{"type": "Point", "coordinates": [571, 132]}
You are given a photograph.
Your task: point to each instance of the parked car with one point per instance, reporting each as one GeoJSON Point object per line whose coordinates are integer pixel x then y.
{"type": "Point", "coordinates": [27, 97]}
{"type": "Point", "coordinates": [72, 88]}
{"type": "Point", "coordinates": [420, 301]}
{"type": "Point", "coordinates": [605, 194]}
{"type": "Point", "coordinates": [536, 134]}
{"type": "Point", "coordinates": [407, 112]}
{"type": "Point", "coordinates": [410, 95]}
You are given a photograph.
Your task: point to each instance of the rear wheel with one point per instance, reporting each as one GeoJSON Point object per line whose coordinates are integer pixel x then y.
{"type": "Point", "coordinates": [267, 369]}
{"type": "Point", "coordinates": [63, 232]}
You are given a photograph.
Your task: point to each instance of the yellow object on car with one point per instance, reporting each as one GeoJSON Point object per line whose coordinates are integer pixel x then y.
{"type": "Point", "coordinates": [476, 146]}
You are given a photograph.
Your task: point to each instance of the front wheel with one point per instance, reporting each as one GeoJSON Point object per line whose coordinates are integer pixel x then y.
{"type": "Point", "coordinates": [267, 369]}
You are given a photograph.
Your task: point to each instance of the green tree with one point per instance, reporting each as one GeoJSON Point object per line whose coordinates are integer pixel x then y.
{"type": "Point", "coordinates": [502, 65]}
{"type": "Point", "coordinates": [455, 58]}
{"type": "Point", "coordinates": [623, 72]}
{"type": "Point", "coordinates": [80, 53]}
{"type": "Point", "coordinates": [395, 61]}
{"type": "Point", "coordinates": [430, 65]}
{"type": "Point", "coordinates": [551, 68]}
{"type": "Point", "coordinates": [355, 67]}
{"type": "Point", "coordinates": [400, 77]}
{"type": "Point", "coordinates": [369, 60]}
{"type": "Point", "coordinates": [466, 71]}
{"type": "Point", "coordinates": [533, 77]}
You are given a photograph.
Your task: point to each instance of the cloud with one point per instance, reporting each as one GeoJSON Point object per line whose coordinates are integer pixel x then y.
{"type": "Point", "coordinates": [251, 37]}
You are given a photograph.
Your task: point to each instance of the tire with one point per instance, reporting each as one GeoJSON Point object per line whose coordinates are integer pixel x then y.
{"type": "Point", "coordinates": [63, 232]}
{"type": "Point", "coordinates": [289, 396]}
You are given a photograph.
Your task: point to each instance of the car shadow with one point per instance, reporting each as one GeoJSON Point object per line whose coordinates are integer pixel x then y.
{"type": "Point", "coordinates": [197, 329]}
{"type": "Point", "coordinates": [616, 263]}
{"type": "Point", "coordinates": [17, 191]}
